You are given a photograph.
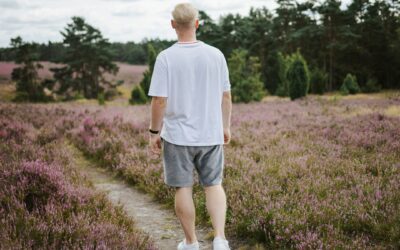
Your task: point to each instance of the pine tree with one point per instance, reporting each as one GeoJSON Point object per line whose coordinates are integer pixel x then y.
{"type": "Point", "coordinates": [282, 64]}
{"type": "Point", "coordinates": [138, 96]}
{"type": "Point", "coordinates": [350, 85]}
{"type": "Point", "coordinates": [151, 59]}
{"type": "Point", "coordinates": [87, 59]}
{"type": "Point", "coordinates": [318, 81]}
{"type": "Point", "coordinates": [245, 77]}
{"type": "Point", "coordinates": [298, 76]}
{"type": "Point", "coordinates": [28, 85]}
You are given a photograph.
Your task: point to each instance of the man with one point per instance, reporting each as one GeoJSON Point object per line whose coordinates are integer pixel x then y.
{"type": "Point", "coordinates": [190, 86]}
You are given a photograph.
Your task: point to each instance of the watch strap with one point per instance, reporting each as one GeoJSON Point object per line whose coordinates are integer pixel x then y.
{"type": "Point", "coordinates": [153, 131]}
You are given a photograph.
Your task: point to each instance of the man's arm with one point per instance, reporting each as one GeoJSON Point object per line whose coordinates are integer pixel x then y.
{"type": "Point", "coordinates": [226, 115]}
{"type": "Point", "coordinates": [158, 105]}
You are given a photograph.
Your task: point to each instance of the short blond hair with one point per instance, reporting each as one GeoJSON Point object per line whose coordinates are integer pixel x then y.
{"type": "Point", "coordinates": [185, 15]}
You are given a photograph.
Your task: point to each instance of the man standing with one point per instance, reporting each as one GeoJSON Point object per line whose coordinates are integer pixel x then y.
{"type": "Point", "coordinates": [191, 105]}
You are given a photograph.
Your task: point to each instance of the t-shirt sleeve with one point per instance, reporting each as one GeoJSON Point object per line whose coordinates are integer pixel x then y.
{"type": "Point", "coordinates": [159, 78]}
{"type": "Point", "coordinates": [225, 75]}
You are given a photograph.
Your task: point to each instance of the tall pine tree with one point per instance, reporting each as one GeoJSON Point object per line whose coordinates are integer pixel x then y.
{"type": "Point", "coordinates": [87, 59]}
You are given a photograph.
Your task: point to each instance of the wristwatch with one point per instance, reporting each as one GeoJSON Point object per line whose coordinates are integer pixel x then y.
{"type": "Point", "coordinates": [153, 131]}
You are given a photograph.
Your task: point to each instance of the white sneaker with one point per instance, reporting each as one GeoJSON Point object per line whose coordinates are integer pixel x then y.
{"type": "Point", "coordinates": [183, 246]}
{"type": "Point", "coordinates": [220, 244]}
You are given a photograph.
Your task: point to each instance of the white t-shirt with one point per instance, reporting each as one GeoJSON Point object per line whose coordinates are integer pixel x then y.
{"type": "Point", "coordinates": [193, 77]}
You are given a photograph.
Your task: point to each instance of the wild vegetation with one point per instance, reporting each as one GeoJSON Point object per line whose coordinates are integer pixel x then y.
{"type": "Point", "coordinates": [320, 172]}
{"type": "Point", "coordinates": [44, 201]}
{"type": "Point", "coordinates": [303, 172]}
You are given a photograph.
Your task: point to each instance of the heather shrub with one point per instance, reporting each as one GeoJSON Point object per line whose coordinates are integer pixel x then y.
{"type": "Point", "coordinates": [318, 81]}
{"type": "Point", "coordinates": [138, 96]}
{"type": "Point", "coordinates": [349, 85]}
{"type": "Point", "coordinates": [298, 76]}
{"type": "Point", "coordinates": [281, 192]}
{"type": "Point", "coordinates": [43, 210]}
{"type": "Point", "coordinates": [44, 202]}
{"type": "Point", "coordinates": [296, 176]}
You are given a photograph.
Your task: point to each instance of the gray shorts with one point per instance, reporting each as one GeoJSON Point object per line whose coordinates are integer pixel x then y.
{"type": "Point", "coordinates": [180, 161]}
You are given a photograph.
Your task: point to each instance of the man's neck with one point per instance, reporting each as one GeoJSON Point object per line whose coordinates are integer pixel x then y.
{"type": "Point", "coordinates": [187, 38]}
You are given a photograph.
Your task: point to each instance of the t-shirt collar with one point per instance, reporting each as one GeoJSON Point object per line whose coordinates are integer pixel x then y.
{"type": "Point", "coordinates": [188, 44]}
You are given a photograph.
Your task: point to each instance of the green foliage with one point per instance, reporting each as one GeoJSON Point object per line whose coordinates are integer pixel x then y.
{"type": "Point", "coordinates": [362, 37]}
{"type": "Point", "coordinates": [371, 86]}
{"type": "Point", "coordinates": [101, 99]}
{"type": "Point", "coordinates": [350, 85]}
{"type": "Point", "coordinates": [151, 58]}
{"type": "Point", "coordinates": [283, 86]}
{"type": "Point", "coordinates": [344, 90]}
{"type": "Point", "coordinates": [129, 52]}
{"type": "Point", "coordinates": [298, 76]}
{"type": "Point", "coordinates": [318, 81]}
{"type": "Point", "coordinates": [245, 77]}
{"type": "Point", "coordinates": [111, 93]}
{"type": "Point", "coordinates": [28, 85]}
{"type": "Point", "coordinates": [138, 96]}
{"type": "Point", "coordinates": [144, 85]}
{"type": "Point", "coordinates": [87, 58]}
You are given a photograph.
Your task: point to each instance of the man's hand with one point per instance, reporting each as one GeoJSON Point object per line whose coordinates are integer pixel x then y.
{"type": "Point", "coordinates": [227, 135]}
{"type": "Point", "coordinates": [226, 115]}
{"type": "Point", "coordinates": [155, 144]}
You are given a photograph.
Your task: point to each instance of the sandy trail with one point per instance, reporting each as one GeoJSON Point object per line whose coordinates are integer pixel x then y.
{"type": "Point", "coordinates": [151, 217]}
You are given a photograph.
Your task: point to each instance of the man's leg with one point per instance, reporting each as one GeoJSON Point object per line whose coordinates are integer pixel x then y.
{"type": "Point", "coordinates": [184, 208]}
{"type": "Point", "coordinates": [216, 207]}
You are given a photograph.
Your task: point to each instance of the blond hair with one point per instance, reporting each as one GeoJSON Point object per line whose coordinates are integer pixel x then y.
{"type": "Point", "coordinates": [185, 15]}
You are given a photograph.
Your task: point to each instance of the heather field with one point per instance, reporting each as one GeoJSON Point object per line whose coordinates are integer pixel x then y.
{"type": "Point", "coordinates": [45, 203]}
{"type": "Point", "coordinates": [130, 74]}
{"type": "Point", "coordinates": [317, 173]}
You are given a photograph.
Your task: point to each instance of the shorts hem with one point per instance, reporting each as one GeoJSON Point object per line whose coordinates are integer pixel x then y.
{"type": "Point", "coordinates": [179, 185]}
{"type": "Point", "coordinates": [198, 144]}
{"type": "Point", "coordinates": [215, 183]}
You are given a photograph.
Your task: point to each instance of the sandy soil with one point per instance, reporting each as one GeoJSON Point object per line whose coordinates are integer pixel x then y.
{"type": "Point", "coordinates": [151, 217]}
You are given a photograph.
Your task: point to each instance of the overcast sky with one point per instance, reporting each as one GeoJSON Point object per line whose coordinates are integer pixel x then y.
{"type": "Point", "coordinates": [118, 20]}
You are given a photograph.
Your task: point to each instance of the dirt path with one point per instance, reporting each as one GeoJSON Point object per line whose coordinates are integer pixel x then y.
{"type": "Point", "coordinates": [160, 223]}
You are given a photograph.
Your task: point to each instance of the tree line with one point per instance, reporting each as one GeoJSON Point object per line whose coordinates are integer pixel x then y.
{"type": "Point", "coordinates": [363, 39]}
{"type": "Point", "coordinates": [323, 42]}
{"type": "Point", "coordinates": [129, 52]}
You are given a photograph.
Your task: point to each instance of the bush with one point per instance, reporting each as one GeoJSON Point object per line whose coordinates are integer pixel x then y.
{"type": "Point", "coordinates": [101, 99]}
{"type": "Point", "coordinates": [138, 96]}
{"type": "Point", "coordinates": [111, 93]}
{"type": "Point", "coordinates": [245, 77]}
{"type": "Point", "coordinates": [145, 83]}
{"type": "Point", "coordinates": [318, 81]}
{"type": "Point", "coordinates": [350, 85]}
{"type": "Point", "coordinates": [344, 90]}
{"type": "Point", "coordinates": [298, 76]}
{"type": "Point", "coordinates": [372, 86]}
{"type": "Point", "coordinates": [283, 88]}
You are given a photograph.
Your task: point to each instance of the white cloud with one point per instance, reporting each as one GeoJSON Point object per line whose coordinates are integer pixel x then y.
{"type": "Point", "coordinates": [118, 20]}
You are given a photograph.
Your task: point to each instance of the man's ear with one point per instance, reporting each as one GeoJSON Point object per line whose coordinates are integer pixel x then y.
{"type": "Point", "coordinates": [173, 25]}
